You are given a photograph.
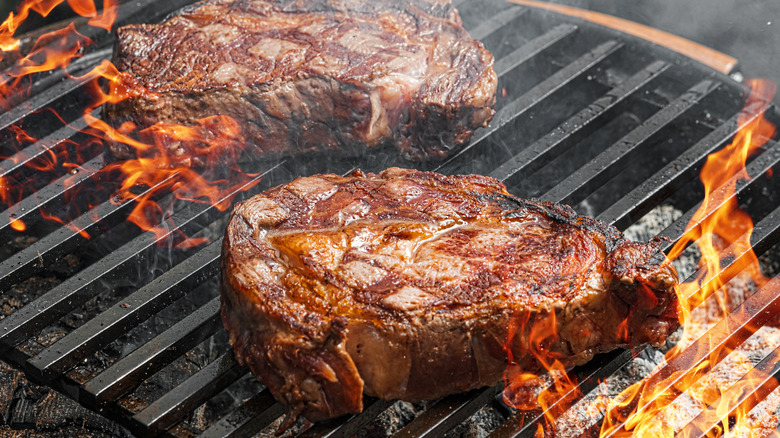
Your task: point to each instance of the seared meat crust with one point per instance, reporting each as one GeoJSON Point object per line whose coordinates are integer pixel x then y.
{"type": "Point", "coordinates": [403, 285]}
{"type": "Point", "coordinates": [310, 76]}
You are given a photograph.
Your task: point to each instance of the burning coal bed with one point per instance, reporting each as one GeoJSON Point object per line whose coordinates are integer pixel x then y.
{"type": "Point", "coordinates": [25, 405]}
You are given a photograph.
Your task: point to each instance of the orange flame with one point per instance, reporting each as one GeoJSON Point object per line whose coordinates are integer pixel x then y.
{"type": "Point", "coordinates": [9, 26]}
{"type": "Point", "coordinates": [724, 219]}
{"type": "Point", "coordinates": [721, 230]}
{"type": "Point", "coordinates": [52, 50]}
{"type": "Point", "coordinates": [164, 153]}
{"type": "Point", "coordinates": [527, 390]}
{"type": "Point", "coordinates": [83, 8]}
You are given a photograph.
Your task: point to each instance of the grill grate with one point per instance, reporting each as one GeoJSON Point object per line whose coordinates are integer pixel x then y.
{"type": "Point", "coordinates": [587, 116]}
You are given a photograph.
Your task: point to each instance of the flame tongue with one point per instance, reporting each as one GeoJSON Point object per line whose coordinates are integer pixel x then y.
{"type": "Point", "coordinates": [718, 223]}
{"type": "Point", "coordinates": [12, 23]}
{"type": "Point", "coordinates": [53, 50]}
{"type": "Point", "coordinates": [720, 230]}
{"type": "Point", "coordinates": [525, 390]}
{"type": "Point", "coordinates": [655, 405]}
{"type": "Point", "coordinates": [197, 163]}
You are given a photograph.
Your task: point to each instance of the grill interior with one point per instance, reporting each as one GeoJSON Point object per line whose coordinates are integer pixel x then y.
{"type": "Point", "coordinates": [129, 326]}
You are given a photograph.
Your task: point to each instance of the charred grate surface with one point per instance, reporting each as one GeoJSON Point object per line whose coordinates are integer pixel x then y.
{"type": "Point", "coordinates": [130, 328]}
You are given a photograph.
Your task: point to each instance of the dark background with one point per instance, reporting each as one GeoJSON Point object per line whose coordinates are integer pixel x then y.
{"type": "Point", "coordinates": [748, 30]}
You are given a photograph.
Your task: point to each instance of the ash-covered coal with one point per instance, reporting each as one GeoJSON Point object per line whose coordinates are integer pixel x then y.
{"type": "Point", "coordinates": [33, 411]}
{"type": "Point", "coordinates": [584, 418]}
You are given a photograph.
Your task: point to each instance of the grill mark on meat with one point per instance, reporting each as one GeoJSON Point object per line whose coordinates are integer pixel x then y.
{"type": "Point", "coordinates": [405, 283]}
{"type": "Point", "coordinates": [380, 73]}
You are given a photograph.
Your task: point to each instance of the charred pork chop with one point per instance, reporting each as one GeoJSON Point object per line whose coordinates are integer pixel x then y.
{"type": "Point", "coordinates": [305, 76]}
{"type": "Point", "coordinates": [403, 285]}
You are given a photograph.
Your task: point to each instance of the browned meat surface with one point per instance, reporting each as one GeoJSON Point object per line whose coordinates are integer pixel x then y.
{"type": "Point", "coordinates": [403, 285]}
{"type": "Point", "coordinates": [310, 76]}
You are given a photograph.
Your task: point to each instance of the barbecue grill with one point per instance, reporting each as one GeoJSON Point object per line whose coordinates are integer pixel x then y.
{"type": "Point", "coordinates": [606, 122]}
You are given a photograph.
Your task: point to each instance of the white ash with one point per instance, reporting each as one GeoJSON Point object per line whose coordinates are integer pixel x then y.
{"type": "Point", "coordinates": [655, 222]}
{"type": "Point", "coordinates": [392, 419]}
{"type": "Point", "coordinates": [652, 223]}
{"type": "Point", "coordinates": [586, 415]}
{"type": "Point", "coordinates": [734, 367]}
{"type": "Point", "coordinates": [762, 420]}
{"type": "Point", "coordinates": [479, 425]}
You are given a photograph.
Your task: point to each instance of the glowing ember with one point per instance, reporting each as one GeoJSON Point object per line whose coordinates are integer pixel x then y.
{"type": "Point", "coordinates": [711, 390]}
{"type": "Point", "coordinates": [528, 391]}
{"type": "Point", "coordinates": [721, 230]}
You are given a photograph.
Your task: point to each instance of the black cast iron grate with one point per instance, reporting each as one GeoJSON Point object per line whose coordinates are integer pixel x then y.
{"type": "Point", "coordinates": [613, 125]}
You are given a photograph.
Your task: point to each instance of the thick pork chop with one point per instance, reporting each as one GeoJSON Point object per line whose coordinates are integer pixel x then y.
{"type": "Point", "coordinates": [403, 285]}
{"type": "Point", "coordinates": [309, 76]}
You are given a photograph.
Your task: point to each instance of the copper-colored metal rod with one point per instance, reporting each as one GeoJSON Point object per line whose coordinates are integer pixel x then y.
{"type": "Point", "coordinates": [707, 56]}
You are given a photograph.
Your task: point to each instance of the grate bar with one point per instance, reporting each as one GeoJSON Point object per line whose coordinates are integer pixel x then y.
{"type": "Point", "coordinates": [119, 378]}
{"type": "Point", "coordinates": [763, 380]}
{"type": "Point", "coordinates": [511, 427]}
{"type": "Point", "coordinates": [516, 425]}
{"type": "Point", "coordinates": [608, 163]}
{"type": "Point", "coordinates": [764, 234]}
{"type": "Point", "coordinates": [132, 310]}
{"type": "Point", "coordinates": [448, 413]}
{"type": "Point", "coordinates": [766, 231]}
{"type": "Point", "coordinates": [723, 194]}
{"type": "Point", "coordinates": [43, 82]}
{"type": "Point", "coordinates": [519, 425]}
{"type": "Point", "coordinates": [33, 258]}
{"type": "Point", "coordinates": [729, 332]}
{"type": "Point", "coordinates": [534, 96]}
{"type": "Point", "coordinates": [569, 132]}
{"type": "Point", "coordinates": [496, 22]}
{"type": "Point", "coordinates": [181, 400]}
{"type": "Point", "coordinates": [82, 66]}
{"type": "Point", "coordinates": [260, 411]}
{"type": "Point", "coordinates": [533, 48]}
{"type": "Point", "coordinates": [40, 147]}
{"type": "Point", "coordinates": [68, 294]}
{"type": "Point", "coordinates": [347, 428]}
{"type": "Point", "coordinates": [237, 417]}
{"type": "Point", "coordinates": [672, 176]}
{"type": "Point", "coordinates": [46, 195]}
{"type": "Point", "coordinates": [244, 422]}
{"type": "Point", "coordinates": [39, 101]}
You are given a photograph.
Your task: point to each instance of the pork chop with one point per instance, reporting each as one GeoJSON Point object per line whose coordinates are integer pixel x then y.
{"type": "Point", "coordinates": [336, 76]}
{"type": "Point", "coordinates": [403, 284]}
